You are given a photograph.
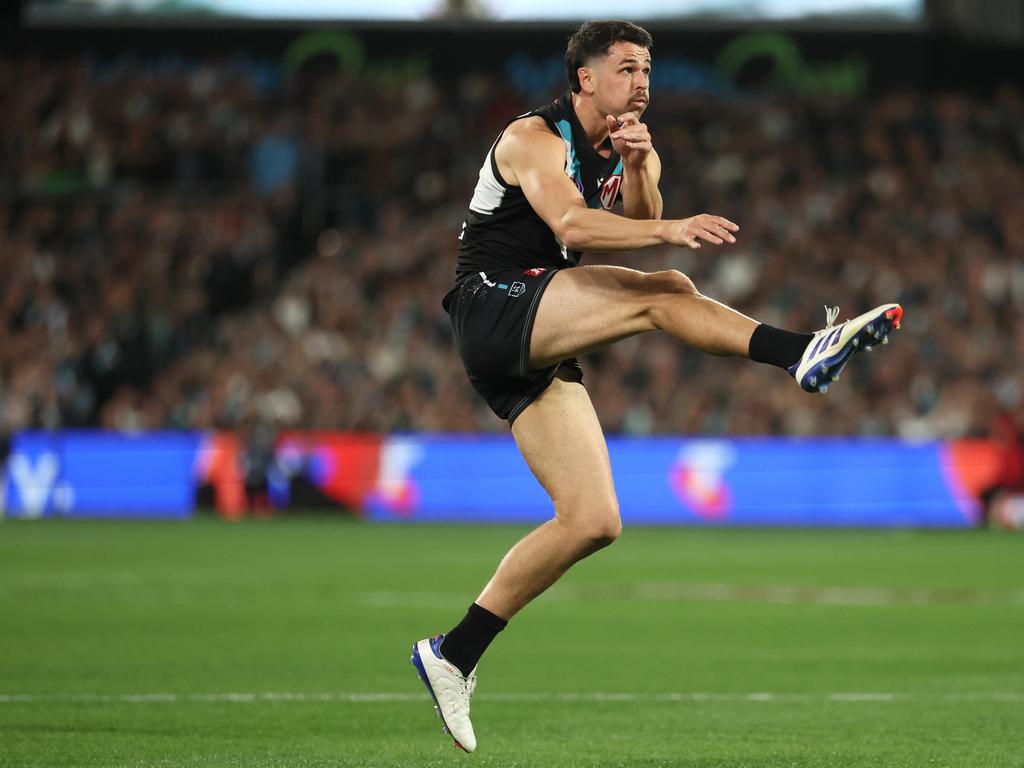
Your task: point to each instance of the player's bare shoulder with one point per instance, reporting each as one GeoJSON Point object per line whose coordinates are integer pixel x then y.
{"type": "Point", "coordinates": [529, 138]}
{"type": "Point", "coordinates": [527, 126]}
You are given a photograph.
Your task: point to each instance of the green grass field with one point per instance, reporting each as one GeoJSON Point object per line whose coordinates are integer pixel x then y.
{"type": "Point", "coordinates": [286, 643]}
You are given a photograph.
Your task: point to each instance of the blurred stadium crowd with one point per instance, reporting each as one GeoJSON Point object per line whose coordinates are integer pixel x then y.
{"type": "Point", "coordinates": [198, 246]}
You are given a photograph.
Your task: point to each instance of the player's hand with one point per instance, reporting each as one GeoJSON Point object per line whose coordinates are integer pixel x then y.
{"type": "Point", "coordinates": [630, 138]}
{"type": "Point", "coordinates": [713, 229]}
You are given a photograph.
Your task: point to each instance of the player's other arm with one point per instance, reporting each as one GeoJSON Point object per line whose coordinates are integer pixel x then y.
{"type": "Point", "coordinates": [641, 198]}
{"type": "Point", "coordinates": [641, 167]}
{"type": "Point", "coordinates": [534, 160]}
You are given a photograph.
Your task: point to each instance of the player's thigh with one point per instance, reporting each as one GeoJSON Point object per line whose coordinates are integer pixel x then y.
{"type": "Point", "coordinates": [561, 439]}
{"type": "Point", "coordinates": [587, 308]}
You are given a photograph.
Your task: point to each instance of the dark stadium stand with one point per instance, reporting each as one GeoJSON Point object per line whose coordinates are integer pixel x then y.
{"type": "Point", "coordinates": [212, 246]}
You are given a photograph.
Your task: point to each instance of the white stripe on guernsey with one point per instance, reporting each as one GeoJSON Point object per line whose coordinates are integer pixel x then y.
{"type": "Point", "coordinates": [489, 191]}
{"type": "Point", "coordinates": [1012, 697]}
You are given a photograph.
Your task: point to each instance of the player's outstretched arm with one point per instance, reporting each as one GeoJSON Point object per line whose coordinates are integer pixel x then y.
{"type": "Point", "coordinates": [534, 160]}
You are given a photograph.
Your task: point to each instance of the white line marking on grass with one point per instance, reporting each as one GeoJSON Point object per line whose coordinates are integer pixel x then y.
{"type": "Point", "coordinates": [728, 593]}
{"type": "Point", "coordinates": [861, 696]}
{"type": "Point", "coordinates": [590, 696]}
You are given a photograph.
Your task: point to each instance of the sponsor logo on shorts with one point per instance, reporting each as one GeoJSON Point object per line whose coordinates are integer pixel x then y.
{"type": "Point", "coordinates": [517, 289]}
{"type": "Point", "coordinates": [535, 272]}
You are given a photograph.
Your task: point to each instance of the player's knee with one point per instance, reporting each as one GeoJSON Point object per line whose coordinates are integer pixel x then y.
{"type": "Point", "coordinates": [663, 289]}
{"type": "Point", "coordinates": [662, 293]}
{"type": "Point", "coordinates": [600, 526]}
{"type": "Point", "coordinates": [607, 533]}
{"type": "Point", "coordinates": [673, 281]}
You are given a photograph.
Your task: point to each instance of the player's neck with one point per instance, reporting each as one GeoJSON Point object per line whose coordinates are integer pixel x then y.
{"type": "Point", "coordinates": [593, 122]}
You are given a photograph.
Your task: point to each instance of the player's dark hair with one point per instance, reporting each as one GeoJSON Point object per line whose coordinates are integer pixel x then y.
{"type": "Point", "coordinates": [594, 38]}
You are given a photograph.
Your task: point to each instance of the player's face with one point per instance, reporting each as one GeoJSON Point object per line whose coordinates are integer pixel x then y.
{"type": "Point", "coordinates": [622, 79]}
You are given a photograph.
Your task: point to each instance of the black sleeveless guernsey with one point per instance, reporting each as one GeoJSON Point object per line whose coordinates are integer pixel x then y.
{"type": "Point", "coordinates": [507, 258]}
{"type": "Point", "coordinates": [502, 231]}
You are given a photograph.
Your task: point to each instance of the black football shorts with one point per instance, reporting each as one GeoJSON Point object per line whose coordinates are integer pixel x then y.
{"type": "Point", "coordinates": [492, 317]}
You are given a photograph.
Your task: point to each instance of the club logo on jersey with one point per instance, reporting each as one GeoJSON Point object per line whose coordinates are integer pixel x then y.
{"type": "Point", "coordinates": [517, 289]}
{"type": "Point", "coordinates": [610, 191]}
{"type": "Point", "coordinates": [535, 272]}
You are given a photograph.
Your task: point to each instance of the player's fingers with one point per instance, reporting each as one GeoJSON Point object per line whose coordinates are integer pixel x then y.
{"type": "Point", "coordinates": [725, 223]}
{"type": "Point", "coordinates": [710, 237]}
{"type": "Point", "coordinates": [629, 118]}
{"type": "Point", "coordinates": [613, 123]}
{"type": "Point", "coordinates": [722, 232]}
{"type": "Point", "coordinates": [638, 132]}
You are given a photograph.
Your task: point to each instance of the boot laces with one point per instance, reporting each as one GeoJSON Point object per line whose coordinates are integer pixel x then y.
{"type": "Point", "coordinates": [467, 687]}
{"type": "Point", "coordinates": [831, 315]}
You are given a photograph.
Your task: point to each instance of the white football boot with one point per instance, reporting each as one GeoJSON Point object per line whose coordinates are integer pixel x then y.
{"type": "Point", "coordinates": [834, 345]}
{"type": "Point", "coordinates": [450, 689]}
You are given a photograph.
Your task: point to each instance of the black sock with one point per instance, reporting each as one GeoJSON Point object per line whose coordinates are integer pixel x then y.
{"type": "Point", "coordinates": [776, 346]}
{"type": "Point", "coordinates": [465, 644]}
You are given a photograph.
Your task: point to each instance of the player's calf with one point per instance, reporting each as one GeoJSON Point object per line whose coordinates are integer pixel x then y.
{"type": "Point", "coordinates": [674, 305]}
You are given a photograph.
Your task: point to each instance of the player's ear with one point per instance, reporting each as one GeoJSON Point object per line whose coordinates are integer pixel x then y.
{"type": "Point", "coordinates": [586, 75]}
